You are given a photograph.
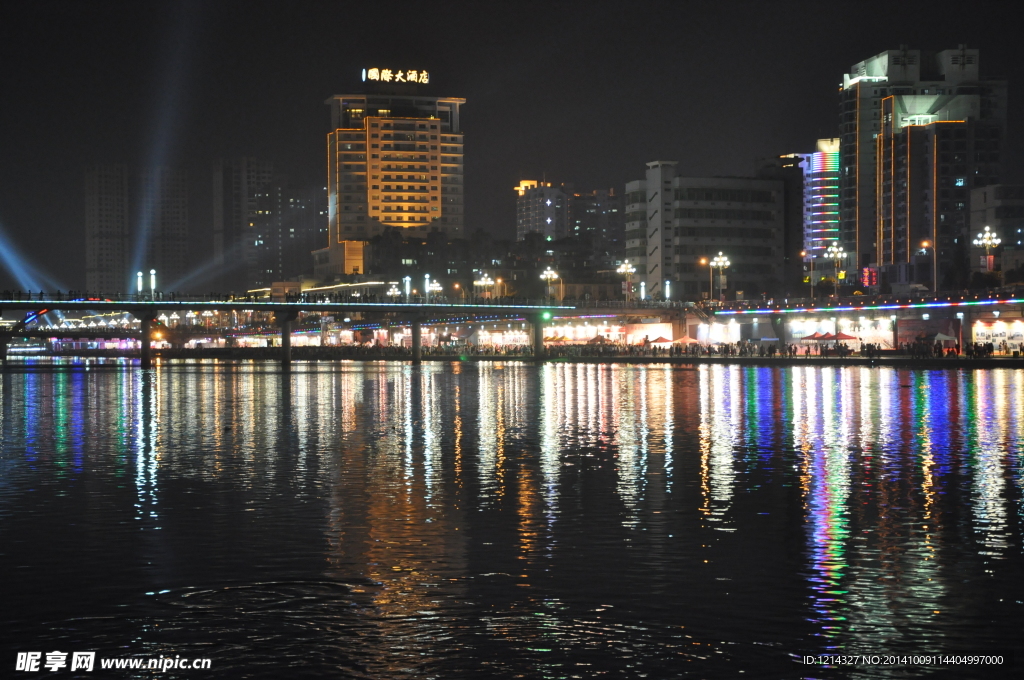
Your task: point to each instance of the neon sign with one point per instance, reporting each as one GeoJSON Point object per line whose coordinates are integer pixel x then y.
{"type": "Point", "coordinates": [388, 75]}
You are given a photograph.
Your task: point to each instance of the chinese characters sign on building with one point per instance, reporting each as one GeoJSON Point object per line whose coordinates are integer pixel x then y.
{"type": "Point", "coordinates": [391, 76]}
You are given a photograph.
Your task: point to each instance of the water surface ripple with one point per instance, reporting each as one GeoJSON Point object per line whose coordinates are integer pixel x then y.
{"type": "Point", "coordinates": [380, 520]}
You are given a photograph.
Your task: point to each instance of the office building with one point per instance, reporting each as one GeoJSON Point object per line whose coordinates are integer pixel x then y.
{"type": "Point", "coordinates": [542, 209]}
{"type": "Point", "coordinates": [918, 132]}
{"type": "Point", "coordinates": [107, 220]}
{"type": "Point", "coordinates": [237, 183]}
{"type": "Point", "coordinates": [395, 159]}
{"type": "Point", "coordinates": [673, 223]}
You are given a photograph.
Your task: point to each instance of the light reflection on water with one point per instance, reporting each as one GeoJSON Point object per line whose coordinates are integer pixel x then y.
{"type": "Point", "coordinates": [384, 520]}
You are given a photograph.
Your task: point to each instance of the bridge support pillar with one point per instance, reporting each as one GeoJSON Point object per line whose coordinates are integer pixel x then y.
{"type": "Point", "coordinates": [537, 328]}
{"type": "Point", "coordinates": [284, 320]}
{"type": "Point", "coordinates": [145, 340]}
{"type": "Point", "coordinates": [417, 341]}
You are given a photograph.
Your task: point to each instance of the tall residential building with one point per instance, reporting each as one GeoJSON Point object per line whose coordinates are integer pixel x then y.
{"type": "Point", "coordinates": [599, 214]}
{"type": "Point", "coordinates": [394, 159]}
{"type": "Point", "coordinates": [674, 222]}
{"type": "Point", "coordinates": [163, 223]}
{"type": "Point", "coordinates": [284, 233]}
{"type": "Point", "coordinates": [107, 220]}
{"type": "Point", "coordinates": [236, 185]}
{"type": "Point", "coordinates": [918, 131]}
{"type": "Point", "coordinates": [541, 208]}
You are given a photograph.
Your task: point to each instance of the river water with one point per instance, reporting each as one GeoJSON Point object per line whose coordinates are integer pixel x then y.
{"type": "Point", "coordinates": [489, 520]}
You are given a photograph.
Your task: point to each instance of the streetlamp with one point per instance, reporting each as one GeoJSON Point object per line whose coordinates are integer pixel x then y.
{"type": "Point", "coordinates": [836, 253]}
{"type": "Point", "coordinates": [925, 245]}
{"type": "Point", "coordinates": [408, 282]}
{"type": "Point", "coordinates": [627, 270]}
{"type": "Point", "coordinates": [139, 274]}
{"type": "Point", "coordinates": [810, 256]}
{"type": "Point", "coordinates": [987, 240]}
{"type": "Point", "coordinates": [711, 280]}
{"type": "Point", "coordinates": [549, 275]}
{"type": "Point", "coordinates": [393, 292]}
{"type": "Point", "coordinates": [484, 282]}
{"type": "Point", "coordinates": [721, 262]}
{"type": "Point", "coordinates": [426, 287]}
{"type": "Point", "coordinates": [435, 287]}
{"type": "Point", "coordinates": [152, 284]}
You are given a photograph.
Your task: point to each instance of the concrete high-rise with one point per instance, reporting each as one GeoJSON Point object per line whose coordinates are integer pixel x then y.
{"type": "Point", "coordinates": [541, 208]}
{"type": "Point", "coordinates": [598, 214]}
{"type": "Point", "coordinates": [236, 184]}
{"type": "Point", "coordinates": [673, 222]}
{"type": "Point", "coordinates": [284, 227]}
{"type": "Point", "coordinates": [107, 229]}
{"type": "Point", "coordinates": [394, 159]}
{"type": "Point", "coordinates": [163, 223]}
{"type": "Point", "coordinates": [918, 131]}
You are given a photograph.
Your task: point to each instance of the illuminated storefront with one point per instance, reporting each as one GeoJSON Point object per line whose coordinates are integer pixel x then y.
{"type": "Point", "coordinates": [998, 331]}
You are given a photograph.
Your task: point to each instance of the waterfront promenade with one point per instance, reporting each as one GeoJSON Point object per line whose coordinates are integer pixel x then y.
{"type": "Point", "coordinates": [355, 353]}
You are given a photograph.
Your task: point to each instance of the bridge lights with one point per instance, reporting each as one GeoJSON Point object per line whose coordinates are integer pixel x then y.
{"type": "Point", "coordinates": [140, 282]}
{"type": "Point", "coordinates": [152, 281]}
{"type": "Point", "coordinates": [426, 287]}
{"type": "Point", "coordinates": [408, 283]}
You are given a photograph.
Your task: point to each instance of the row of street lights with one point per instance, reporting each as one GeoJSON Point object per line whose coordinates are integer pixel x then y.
{"type": "Point", "coordinates": [987, 240]}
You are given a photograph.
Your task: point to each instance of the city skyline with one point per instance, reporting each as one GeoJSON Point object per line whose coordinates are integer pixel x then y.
{"type": "Point", "coordinates": [186, 100]}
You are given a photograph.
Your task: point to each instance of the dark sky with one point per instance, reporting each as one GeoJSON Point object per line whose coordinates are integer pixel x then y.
{"type": "Point", "coordinates": [580, 91]}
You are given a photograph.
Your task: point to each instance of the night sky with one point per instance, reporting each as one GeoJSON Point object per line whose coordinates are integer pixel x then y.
{"type": "Point", "coordinates": [584, 92]}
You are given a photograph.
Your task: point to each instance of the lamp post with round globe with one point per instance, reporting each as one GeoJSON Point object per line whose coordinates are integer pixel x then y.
{"type": "Point", "coordinates": [988, 240]}
{"type": "Point", "coordinates": [627, 270]}
{"type": "Point", "coordinates": [720, 262]}
{"type": "Point", "coordinates": [484, 282]}
{"type": "Point", "coordinates": [836, 253]}
{"type": "Point", "coordinates": [549, 275]}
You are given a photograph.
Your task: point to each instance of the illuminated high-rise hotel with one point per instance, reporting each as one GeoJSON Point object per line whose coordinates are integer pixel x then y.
{"type": "Point", "coordinates": [394, 160]}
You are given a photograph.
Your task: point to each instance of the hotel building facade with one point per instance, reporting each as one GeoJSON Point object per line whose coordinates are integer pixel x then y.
{"type": "Point", "coordinates": [394, 160]}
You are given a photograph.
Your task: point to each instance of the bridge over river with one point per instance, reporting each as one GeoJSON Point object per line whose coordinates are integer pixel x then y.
{"type": "Point", "coordinates": [285, 312]}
